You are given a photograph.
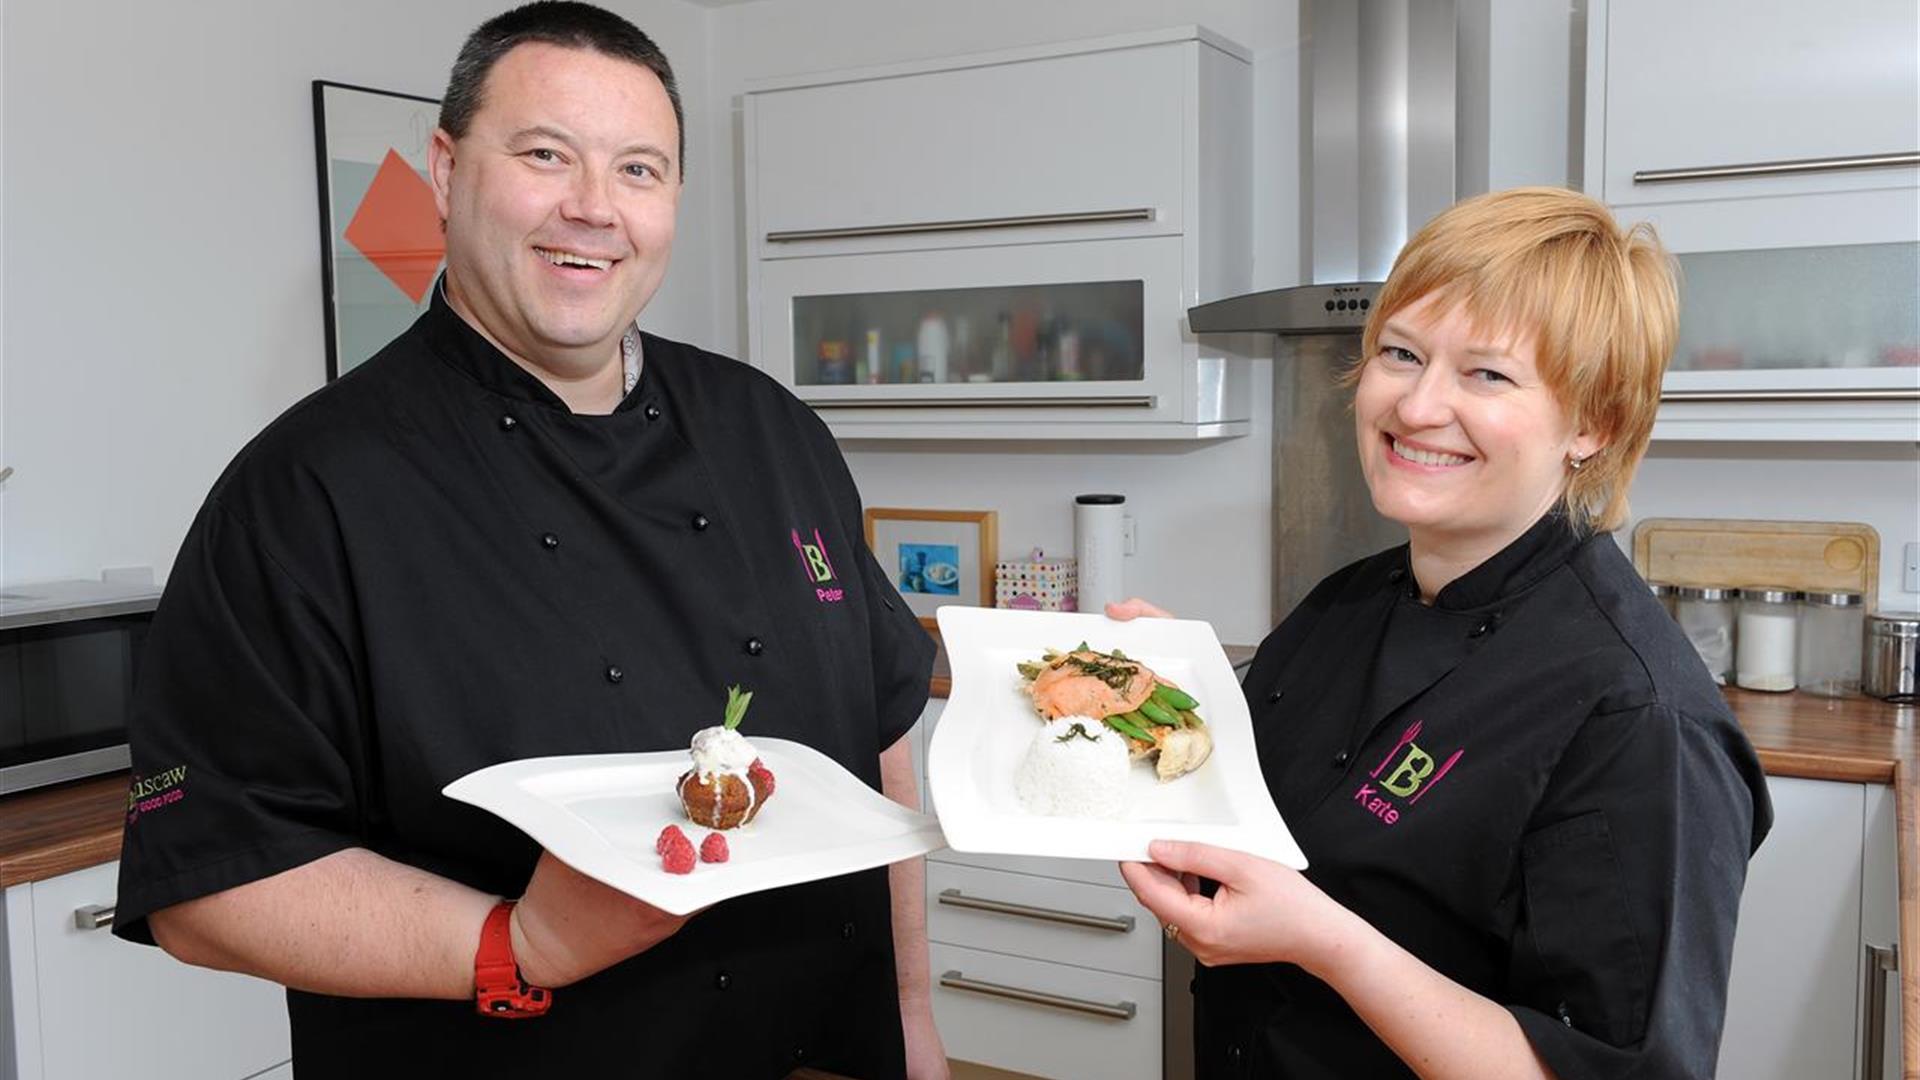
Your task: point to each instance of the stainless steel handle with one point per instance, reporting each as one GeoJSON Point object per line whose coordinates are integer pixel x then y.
{"type": "Point", "coordinates": [1078, 401]}
{"type": "Point", "coordinates": [1880, 962]}
{"type": "Point", "coordinates": [1119, 924]}
{"type": "Point", "coordinates": [1793, 167]}
{"type": "Point", "coordinates": [93, 917]}
{"type": "Point", "coordinates": [917, 228]}
{"type": "Point", "coordinates": [1124, 1010]}
{"type": "Point", "coordinates": [1860, 394]}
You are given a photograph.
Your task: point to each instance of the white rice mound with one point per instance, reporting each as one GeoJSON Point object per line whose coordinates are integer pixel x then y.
{"type": "Point", "coordinates": [1074, 776]}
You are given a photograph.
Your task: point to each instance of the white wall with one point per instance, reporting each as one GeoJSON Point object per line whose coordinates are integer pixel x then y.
{"type": "Point", "coordinates": [162, 266]}
{"type": "Point", "coordinates": [1202, 511]}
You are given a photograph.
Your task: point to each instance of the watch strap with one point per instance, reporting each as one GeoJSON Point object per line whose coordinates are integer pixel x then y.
{"type": "Point", "coordinates": [498, 989]}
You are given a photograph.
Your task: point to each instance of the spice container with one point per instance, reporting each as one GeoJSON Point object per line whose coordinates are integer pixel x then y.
{"type": "Point", "coordinates": [1766, 641]}
{"type": "Point", "coordinates": [1706, 616]}
{"type": "Point", "coordinates": [1666, 594]}
{"type": "Point", "coordinates": [1829, 651]}
{"type": "Point", "coordinates": [1893, 638]}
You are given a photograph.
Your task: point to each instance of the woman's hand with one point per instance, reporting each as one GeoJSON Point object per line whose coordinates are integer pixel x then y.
{"type": "Point", "coordinates": [1262, 912]}
{"type": "Point", "coordinates": [568, 926]}
{"type": "Point", "coordinates": [1135, 608]}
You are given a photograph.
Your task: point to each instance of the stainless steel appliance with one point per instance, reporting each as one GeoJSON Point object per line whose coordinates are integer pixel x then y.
{"type": "Point", "coordinates": [1887, 663]}
{"type": "Point", "coordinates": [68, 655]}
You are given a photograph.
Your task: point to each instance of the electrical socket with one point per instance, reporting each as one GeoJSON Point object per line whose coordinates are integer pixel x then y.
{"type": "Point", "coordinates": [1910, 567]}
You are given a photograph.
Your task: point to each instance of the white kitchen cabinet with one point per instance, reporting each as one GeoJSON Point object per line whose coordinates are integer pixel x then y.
{"type": "Point", "coordinates": [1004, 246]}
{"type": "Point", "coordinates": [1799, 259]}
{"type": "Point", "coordinates": [1819, 893]}
{"type": "Point", "coordinates": [84, 1004]}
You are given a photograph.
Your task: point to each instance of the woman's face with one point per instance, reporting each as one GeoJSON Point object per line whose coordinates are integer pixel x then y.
{"type": "Point", "coordinates": [1460, 439]}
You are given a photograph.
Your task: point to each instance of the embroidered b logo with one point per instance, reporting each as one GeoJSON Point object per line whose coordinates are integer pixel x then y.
{"type": "Point", "coordinates": [817, 563]}
{"type": "Point", "coordinates": [1412, 771]}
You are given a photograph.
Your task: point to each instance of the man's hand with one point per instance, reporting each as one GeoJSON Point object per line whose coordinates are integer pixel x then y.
{"type": "Point", "coordinates": [1135, 608]}
{"type": "Point", "coordinates": [569, 926]}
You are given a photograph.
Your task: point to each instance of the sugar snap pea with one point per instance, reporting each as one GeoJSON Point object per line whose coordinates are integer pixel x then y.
{"type": "Point", "coordinates": [1190, 718]}
{"type": "Point", "coordinates": [1122, 723]}
{"type": "Point", "coordinates": [1173, 697]}
{"type": "Point", "coordinates": [1158, 715]}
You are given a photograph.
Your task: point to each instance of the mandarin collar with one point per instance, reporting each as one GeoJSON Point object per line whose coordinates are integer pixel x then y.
{"type": "Point", "coordinates": [467, 350]}
{"type": "Point", "coordinates": [1533, 555]}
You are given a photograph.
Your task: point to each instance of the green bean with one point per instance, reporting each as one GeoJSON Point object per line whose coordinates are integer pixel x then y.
{"type": "Point", "coordinates": [1173, 697]}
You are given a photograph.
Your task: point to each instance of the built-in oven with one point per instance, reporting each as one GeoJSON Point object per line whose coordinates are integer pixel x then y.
{"type": "Point", "coordinates": [69, 653]}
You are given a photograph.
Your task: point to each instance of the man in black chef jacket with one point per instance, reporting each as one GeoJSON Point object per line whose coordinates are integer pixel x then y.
{"type": "Point", "coordinates": [525, 528]}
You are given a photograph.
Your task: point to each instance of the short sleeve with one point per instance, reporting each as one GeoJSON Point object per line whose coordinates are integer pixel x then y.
{"type": "Point", "coordinates": [1630, 882]}
{"type": "Point", "coordinates": [902, 654]}
{"type": "Point", "coordinates": [243, 715]}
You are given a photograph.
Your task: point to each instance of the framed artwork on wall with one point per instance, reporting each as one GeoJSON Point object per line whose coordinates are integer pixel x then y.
{"type": "Point", "coordinates": [381, 246]}
{"type": "Point", "coordinates": [936, 557]}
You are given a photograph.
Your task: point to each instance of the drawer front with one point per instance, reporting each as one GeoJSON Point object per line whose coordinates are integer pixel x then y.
{"type": "Point", "coordinates": [1063, 921]}
{"type": "Point", "coordinates": [976, 1004]}
{"type": "Point", "coordinates": [1091, 871]}
{"type": "Point", "coordinates": [1088, 133]}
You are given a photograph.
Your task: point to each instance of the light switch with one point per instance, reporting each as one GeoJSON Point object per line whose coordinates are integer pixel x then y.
{"type": "Point", "coordinates": [1910, 567]}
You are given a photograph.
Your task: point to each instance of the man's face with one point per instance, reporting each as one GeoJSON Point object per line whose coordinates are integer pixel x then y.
{"type": "Point", "coordinates": [559, 203]}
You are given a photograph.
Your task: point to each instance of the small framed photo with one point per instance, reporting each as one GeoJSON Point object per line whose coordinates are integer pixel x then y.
{"type": "Point", "coordinates": [381, 246]}
{"type": "Point", "coordinates": [936, 557]}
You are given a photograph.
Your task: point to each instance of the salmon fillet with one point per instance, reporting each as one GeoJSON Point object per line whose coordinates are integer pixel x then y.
{"type": "Point", "coordinates": [1068, 689]}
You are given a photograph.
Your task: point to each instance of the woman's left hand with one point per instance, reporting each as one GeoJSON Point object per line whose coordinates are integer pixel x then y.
{"type": "Point", "coordinates": [1262, 912]}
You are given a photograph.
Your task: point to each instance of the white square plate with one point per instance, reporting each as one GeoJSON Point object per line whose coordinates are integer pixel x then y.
{"type": "Point", "coordinates": [989, 722]}
{"type": "Point", "coordinates": [602, 813]}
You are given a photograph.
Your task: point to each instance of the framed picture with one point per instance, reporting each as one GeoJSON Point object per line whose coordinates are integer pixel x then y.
{"type": "Point", "coordinates": [936, 557]}
{"type": "Point", "coordinates": [380, 241]}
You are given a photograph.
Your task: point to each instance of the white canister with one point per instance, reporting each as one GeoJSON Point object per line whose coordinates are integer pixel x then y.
{"type": "Point", "coordinates": [1098, 528]}
{"type": "Point", "coordinates": [934, 345]}
{"type": "Point", "coordinates": [1766, 645]}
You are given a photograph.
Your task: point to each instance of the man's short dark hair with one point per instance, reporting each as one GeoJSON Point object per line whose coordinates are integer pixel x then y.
{"type": "Point", "coordinates": [567, 24]}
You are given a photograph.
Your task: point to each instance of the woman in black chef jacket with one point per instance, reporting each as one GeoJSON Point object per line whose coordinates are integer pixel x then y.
{"type": "Point", "coordinates": [1527, 809]}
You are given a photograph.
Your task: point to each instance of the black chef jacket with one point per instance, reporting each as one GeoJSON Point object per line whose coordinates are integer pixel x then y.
{"type": "Point", "coordinates": [431, 566]}
{"type": "Point", "coordinates": [1532, 785]}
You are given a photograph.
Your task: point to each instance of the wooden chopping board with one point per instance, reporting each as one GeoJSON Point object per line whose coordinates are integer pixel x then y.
{"type": "Point", "coordinates": [1825, 556]}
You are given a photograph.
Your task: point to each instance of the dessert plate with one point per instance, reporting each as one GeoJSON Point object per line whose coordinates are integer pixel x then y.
{"type": "Point", "coordinates": [601, 813]}
{"type": "Point", "coordinates": [989, 722]}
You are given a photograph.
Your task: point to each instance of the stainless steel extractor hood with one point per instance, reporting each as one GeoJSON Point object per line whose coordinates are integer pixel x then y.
{"type": "Point", "coordinates": [1379, 112]}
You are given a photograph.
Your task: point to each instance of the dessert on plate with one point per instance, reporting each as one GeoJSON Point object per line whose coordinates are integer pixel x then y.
{"type": "Point", "coordinates": [728, 783]}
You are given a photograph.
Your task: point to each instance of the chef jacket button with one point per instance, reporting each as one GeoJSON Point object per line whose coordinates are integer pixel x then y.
{"type": "Point", "coordinates": [1562, 1011]}
{"type": "Point", "coordinates": [1480, 628]}
{"type": "Point", "coordinates": [549, 541]}
{"type": "Point", "coordinates": [755, 646]}
{"type": "Point", "coordinates": [508, 423]}
{"type": "Point", "coordinates": [700, 522]}
{"type": "Point", "coordinates": [1397, 574]}
{"type": "Point", "coordinates": [1340, 759]}
{"type": "Point", "coordinates": [1234, 1054]}
{"type": "Point", "coordinates": [652, 411]}
{"type": "Point", "coordinates": [1274, 698]}
{"type": "Point", "coordinates": [846, 931]}
{"type": "Point", "coordinates": [614, 674]}
{"type": "Point", "coordinates": [799, 1054]}
{"type": "Point", "coordinates": [722, 981]}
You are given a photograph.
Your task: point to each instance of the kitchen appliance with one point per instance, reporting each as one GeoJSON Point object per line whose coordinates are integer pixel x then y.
{"type": "Point", "coordinates": [69, 651]}
{"type": "Point", "coordinates": [1887, 664]}
{"type": "Point", "coordinates": [1098, 548]}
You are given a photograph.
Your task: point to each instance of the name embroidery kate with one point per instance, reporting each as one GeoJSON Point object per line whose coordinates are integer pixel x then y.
{"type": "Point", "coordinates": [1411, 779]}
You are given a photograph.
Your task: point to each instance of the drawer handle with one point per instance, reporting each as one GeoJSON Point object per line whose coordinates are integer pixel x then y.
{"type": "Point", "coordinates": [917, 228]}
{"type": "Point", "coordinates": [1121, 924]}
{"type": "Point", "coordinates": [1123, 1010]}
{"type": "Point", "coordinates": [1100, 401]}
{"type": "Point", "coordinates": [93, 917]}
{"type": "Point", "coordinates": [1856, 394]}
{"type": "Point", "coordinates": [1881, 961]}
{"type": "Point", "coordinates": [1777, 168]}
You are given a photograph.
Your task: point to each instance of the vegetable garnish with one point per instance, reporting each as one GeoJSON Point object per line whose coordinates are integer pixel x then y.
{"type": "Point", "coordinates": [737, 701]}
{"type": "Point", "coordinates": [1076, 729]}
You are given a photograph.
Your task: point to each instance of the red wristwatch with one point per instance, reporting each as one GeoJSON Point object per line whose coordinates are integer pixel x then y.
{"type": "Point", "coordinates": [498, 989]}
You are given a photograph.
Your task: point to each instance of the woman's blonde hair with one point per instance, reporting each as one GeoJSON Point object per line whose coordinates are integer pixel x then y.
{"type": "Point", "coordinates": [1600, 303]}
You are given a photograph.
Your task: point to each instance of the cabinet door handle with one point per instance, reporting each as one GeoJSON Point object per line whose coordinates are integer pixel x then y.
{"type": "Point", "coordinates": [1119, 924]}
{"type": "Point", "coordinates": [1080, 401]}
{"type": "Point", "coordinates": [1880, 962]}
{"type": "Point", "coordinates": [1122, 1010]}
{"type": "Point", "coordinates": [917, 228]}
{"type": "Point", "coordinates": [93, 917]}
{"type": "Point", "coordinates": [1792, 167]}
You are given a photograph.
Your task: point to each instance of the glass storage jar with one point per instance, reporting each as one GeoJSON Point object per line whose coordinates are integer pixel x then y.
{"type": "Point", "coordinates": [1765, 648]}
{"type": "Point", "coordinates": [1666, 594]}
{"type": "Point", "coordinates": [1831, 626]}
{"type": "Point", "coordinates": [1706, 615]}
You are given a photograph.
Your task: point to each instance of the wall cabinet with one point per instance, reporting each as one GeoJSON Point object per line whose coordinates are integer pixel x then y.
{"type": "Point", "coordinates": [1776, 148]}
{"type": "Point", "coordinates": [1820, 892]}
{"type": "Point", "coordinates": [84, 1004]}
{"type": "Point", "coordinates": [1005, 245]}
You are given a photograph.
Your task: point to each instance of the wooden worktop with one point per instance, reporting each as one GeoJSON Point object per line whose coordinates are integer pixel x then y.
{"type": "Point", "coordinates": [57, 830]}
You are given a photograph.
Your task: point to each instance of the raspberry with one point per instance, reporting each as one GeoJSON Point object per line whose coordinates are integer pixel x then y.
{"type": "Point", "coordinates": [713, 848]}
{"type": "Point", "coordinates": [763, 776]}
{"type": "Point", "coordinates": [677, 858]}
{"type": "Point", "coordinates": [667, 836]}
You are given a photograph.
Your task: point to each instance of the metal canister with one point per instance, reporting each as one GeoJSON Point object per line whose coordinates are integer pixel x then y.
{"type": "Point", "coordinates": [1886, 664]}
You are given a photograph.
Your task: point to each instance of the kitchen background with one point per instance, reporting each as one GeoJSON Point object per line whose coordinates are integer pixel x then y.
{"type": "Point", "coordinates": [159, 293]}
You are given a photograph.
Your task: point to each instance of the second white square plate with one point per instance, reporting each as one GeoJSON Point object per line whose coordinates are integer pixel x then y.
{"type": "Point", "coordinates": [989, 722]}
